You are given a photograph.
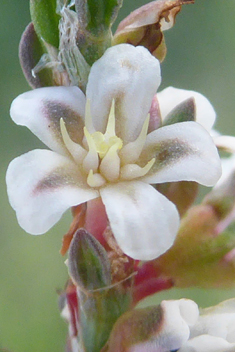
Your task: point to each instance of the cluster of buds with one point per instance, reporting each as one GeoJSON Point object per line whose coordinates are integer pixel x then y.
{"type": "Point", "coordinates": [128, 161]}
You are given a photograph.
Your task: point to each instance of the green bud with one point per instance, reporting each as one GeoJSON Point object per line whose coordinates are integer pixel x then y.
{"type": "Point", "coordinates": [88, 263]}
{"type": "Point", "coordinates": [100, 302]}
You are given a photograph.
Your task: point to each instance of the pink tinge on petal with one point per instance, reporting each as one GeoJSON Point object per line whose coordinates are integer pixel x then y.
{"type": "Point", "coordinates": [155, 115]}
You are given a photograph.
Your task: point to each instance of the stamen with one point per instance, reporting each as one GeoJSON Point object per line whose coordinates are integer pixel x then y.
{"type": "Point", "coordinates": [95, 180]}
{"type": "Point", "coordinates": [110, 165]}
{"type": "Point", "coordinates": [88, 117]}
{"type": "Point", "coordinates": [110, 129]}
{"type": "Point", "coordinates": [91, 161]}
{"type": "Point", "coordinates": [131, 171]}
{"type": "Point", "coordinates": [77, 152]}
{"type": "Point", "coordinates": [131, 151]}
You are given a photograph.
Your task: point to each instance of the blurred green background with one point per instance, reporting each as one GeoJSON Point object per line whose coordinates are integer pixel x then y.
{"type": "Point", "coordinates": [201, 50]}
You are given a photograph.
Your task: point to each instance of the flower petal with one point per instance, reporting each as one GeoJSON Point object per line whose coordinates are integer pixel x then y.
{"type": "Point", "coordinates": [207, 343]}
{"type": "Point", "coordinates": [178, 315]}
{"type": "Point", "coordinates": [41, 110]}
{"type": "Point", "coordinates": [225, 143]}
{"type": "Point", "coordinates": [143, 221]}
{"type": "Point", "coordinates": [170, 97]}
{"type": "Point", "coordinates": [127, 74]}
{"type": "Point", "coordinates": [217, 321]}
{"type": "Point", "coordinates": [42, 185]}
{"type": "Point", "coordinates": [184, 152]}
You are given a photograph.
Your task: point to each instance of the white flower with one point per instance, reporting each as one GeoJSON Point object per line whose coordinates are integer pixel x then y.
{"type": "Point", "coordinates": [100, 148]}
{"type": "Point", "coordinates": [214, 330]}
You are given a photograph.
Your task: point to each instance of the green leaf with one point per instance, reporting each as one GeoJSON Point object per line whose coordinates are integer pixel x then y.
{"type": "Point", "coordinates": [45, 20]}
{"type": "Point", "coordinates": [185, 111]}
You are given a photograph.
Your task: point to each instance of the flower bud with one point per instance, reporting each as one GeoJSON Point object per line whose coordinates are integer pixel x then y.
{"type": "Point", "coordinates": [100, 302]}
{"type": "Point", "coordinates": [197, 256]}
{"type": "Point", "coordinates": [145, 26]}
{"type": "Point", "coordinates": [88, 262]}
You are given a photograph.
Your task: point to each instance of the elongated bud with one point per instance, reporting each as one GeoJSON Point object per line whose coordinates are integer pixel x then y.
{"type": "Point", "coordinates": [100, 302]}
{"type": "Point", "coordinates": [198, 256]}
{"type": "Point", "coordinates": [88, 263]}
{"type": "Point", "coordinates": [145, 25]}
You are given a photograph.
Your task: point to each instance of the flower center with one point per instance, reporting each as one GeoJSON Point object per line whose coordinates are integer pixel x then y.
{"type": "Point", "coordinates": [105, 159]}
{"type": "Point", "coordinates": [103, 144]}
{"type": "Point", "coordinates": [102, 157]}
